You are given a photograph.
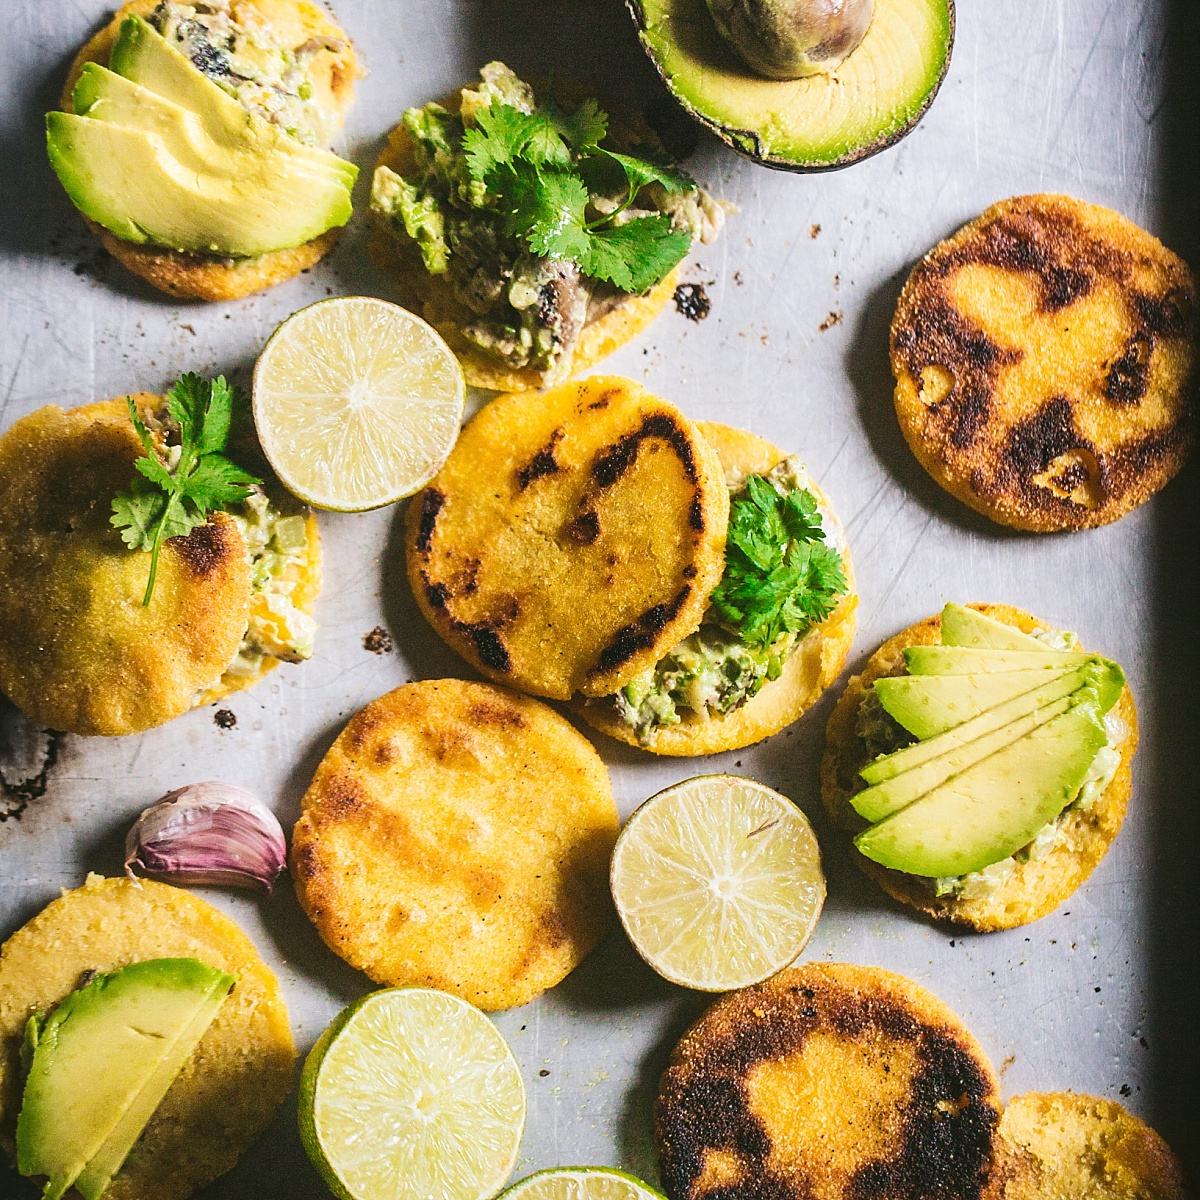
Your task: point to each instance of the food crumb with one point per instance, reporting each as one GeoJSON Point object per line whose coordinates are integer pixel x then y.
{"type": "Point", "coordinates": [814, 231]}
{"type": "Point", "coordinates": [378, 641]}
{"type": "Point", "coordinates": [1126, 1090]}
{"type": "Point", "coordinates": [834, 318]}
{"type": "Point", "coordinates": [225, 718]}
{"type": "Point", "coordinates": [543, 1072]}
{"type": "Point", "coordinates": [737, 278]}
{"type": "Point", "coordinates": [691, 301]}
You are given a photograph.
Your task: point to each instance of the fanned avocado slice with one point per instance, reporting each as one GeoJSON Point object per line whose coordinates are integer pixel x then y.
{"type": "Point", "coordinates": [817, 123]}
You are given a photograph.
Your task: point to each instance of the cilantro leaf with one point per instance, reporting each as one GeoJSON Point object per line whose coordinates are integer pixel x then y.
{"type": "Point", "coordinates": [641, 171]}
{"type": "Point", "coordinates": [547, 210]}
{"type": "Point", "coordinates": [504, 135]}
{"type": "Point", "coordinates": [171, 495]}
{"type": "Point", "coordinates": [584, 129]}
{"type": "Point", "coordinates": [636, 254]}
{"type": "Point", "coordinates": [780, 574]}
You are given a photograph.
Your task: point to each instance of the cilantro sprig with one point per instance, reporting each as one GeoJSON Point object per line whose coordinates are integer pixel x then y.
{"type": "Point", "coordinates": [780, 574]}
{"type": "Point", "coordinates": [541, 171]}
{"type": "Point", "coordinates": [170, 496]}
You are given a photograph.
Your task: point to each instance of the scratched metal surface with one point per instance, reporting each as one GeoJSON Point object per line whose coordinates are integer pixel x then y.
{"type": "Point", "coordinates": [1069, 95]}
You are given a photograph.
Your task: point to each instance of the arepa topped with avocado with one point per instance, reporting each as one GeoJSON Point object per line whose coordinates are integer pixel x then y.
{"type": "Point", "coordinates": [191, 141]}
{"type": "Point", "coordinates": [982, 761]}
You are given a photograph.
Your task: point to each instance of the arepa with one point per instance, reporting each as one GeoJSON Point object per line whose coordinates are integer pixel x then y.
{"type": "Point", "coordinates": [457, 836]}
{"type": "Point", "coordinates": [1044, 358]}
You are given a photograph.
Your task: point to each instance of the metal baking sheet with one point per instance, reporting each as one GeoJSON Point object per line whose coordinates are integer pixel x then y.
{"type": "Point", "coordinates": [1083, 96]}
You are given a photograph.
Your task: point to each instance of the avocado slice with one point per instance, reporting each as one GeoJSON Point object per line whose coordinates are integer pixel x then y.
{"type": "Point", "coordinates": [956, 660]}
{"type": "Point", "coordinates": [890, 796]}
{"type": "Point", "coordinates": [873, 98]}
{"type": "Point", "coordinates": [1105, 677]}
{"type": "Point", "coordinates": [995, 807]}
{"type": "Point", "coordinates": [927, 705]}
{"type": "Point", "coordinates": [962, 626]}
{"type": "Point", "coordinates": [102, 1062]}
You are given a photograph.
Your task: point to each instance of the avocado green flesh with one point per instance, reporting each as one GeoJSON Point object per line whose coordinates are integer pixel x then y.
{"type": "Point", "coordinates": [102, 1063]}
{"type": "Point", "coordinates": [964, 627]}
{"type": "Point", "coordinates": [954, 660]}
{"type": "Point", "coordinates": [819, 121]}
{"type": "Point", "coordinates": [928, 705]}
{"type": "Point", "coordinates": [993, 808]}
{"type": "Point", "coordinates": [190, 170]}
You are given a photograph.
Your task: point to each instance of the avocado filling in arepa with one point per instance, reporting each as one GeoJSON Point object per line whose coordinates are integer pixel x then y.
{"type": "Point", "coordinates": [882, 735]}
{"type": "Point", "coordinates": [537, 228]}
{"type": "Point", "coordinates": [782, 577]}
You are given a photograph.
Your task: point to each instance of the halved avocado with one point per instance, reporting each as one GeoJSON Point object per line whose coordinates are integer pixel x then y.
{"type": "Point", "coordinates": [816, 123]}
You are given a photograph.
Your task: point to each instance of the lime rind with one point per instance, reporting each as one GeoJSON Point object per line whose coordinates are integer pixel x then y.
{"type": "Point", "coordinates": [718, 882]}
{"type": "Point", "coordinates": [581, 1183]}
{"type": "Point", "coordinates": [412, 1094]}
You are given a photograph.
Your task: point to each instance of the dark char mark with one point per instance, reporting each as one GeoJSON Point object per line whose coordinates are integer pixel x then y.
{"type": "Point", "coordinates": [1127, 377]}
{"type": "Point", "coordinates": [613, 461]}
{"type": "Point", "coordinates": [488, 643]}
{"type": "Point", "coordinates": [1033, 444]}
{"type": "Point", "coordinates": [431, 504]}
{"type": "Point", "coordinates": [585, 529]}
{"type": "Point", "coordinates": [542, 463]}
{"type": "Point", "coordinates": [643, 632]}
{"type": "Point", "coordinates": [204, 549]}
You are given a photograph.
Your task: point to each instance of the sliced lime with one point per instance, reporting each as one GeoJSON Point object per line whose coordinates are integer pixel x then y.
{"type": "Point", "coordinates": [581, 1183]}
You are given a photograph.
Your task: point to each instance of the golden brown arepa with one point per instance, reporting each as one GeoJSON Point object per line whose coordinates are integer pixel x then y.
{"type": "Point", "coordinates": [829, 1081]}
{"type": "Point", "coordinates": [1034, 888]}
{"type": "Point", "coordinates": [236, 1078]}
{"type": "Point", "coordinates": [433, 296]}
{"type": "Point", "coordinates": [1064, 1146]}
{"type": "Point", "coordinates": [331, 73]}
{"type": "Point", "coordinates": [813, 665]}
{"type": "Point", "coordinates": [572, 537]}
{"type": "Point", "coordinates": [457, 836]}
{"type": "Point", "coordinates": [1044, 362]}
{"type": "Point", "coordinates": [77, 650]}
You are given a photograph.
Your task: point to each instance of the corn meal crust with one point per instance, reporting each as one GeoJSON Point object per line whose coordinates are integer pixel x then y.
{"type": "Point", "coordinates": [433, 297]}
{"type": "Point", "coordinates": [238, 1075]}
{"type": "Point", "coordinates": [1035, 888]}
{"type": "Point", "coordinates": [812, 667]}
{"type": "Point", "coordinates": [571, 538]}
{"type": "Point", "coordinates": [1062, 1144]}
{"type": "Point", "coordinates": [198, 276]}
{"type": "Point", "coordinates": [78, 651]}
{"type": "Point", "coordinates": [1044, 362]}
{"type": "Point", "coordinates": [829, 1080]}
{"type": "Point", "coordinates": [457, 836]}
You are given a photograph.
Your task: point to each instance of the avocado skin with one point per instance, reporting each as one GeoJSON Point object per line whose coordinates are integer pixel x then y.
{"type": "Point", "coordinates": [747, 142]}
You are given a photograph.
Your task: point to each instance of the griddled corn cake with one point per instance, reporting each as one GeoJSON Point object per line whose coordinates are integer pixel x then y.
{"type": "Point", "coordinates": [78, 651]}
{"type": "Point", "coordinates": [1061, 1145]}
{"type": "Point", "coordinates": [828, 1081]}
{"type": "Point", "coordinates": [572, 537]}
{"type": "Point", "coordinates": [237, 1077]}
{"type": "Point", "coordinates": [1035, 887]}
{"type": "Point", "coordinates": [810, 668]}
{"type": "Point", "coordinates": [330, 74]}
{"type": "Point", "coordinates": [457, 836]}
{"type": "Point", "coordinates": [1044, 359]}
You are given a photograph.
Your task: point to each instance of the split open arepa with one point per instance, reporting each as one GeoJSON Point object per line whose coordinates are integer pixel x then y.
{"type": "Point", "coordinates": [1044, 358]}
{"type": "Point", "coordinates": [238, 1075]}
{"type": "Point", "coordinates": [829, 1081]}
{"type": "Point", "coordinates": [457, 836]}
{"type": "Point", "coordinates": [1034, 888]}
{"type": "Point", "coordinates": [813, 665]}
{"type": "Point", "coordinates": [572, 537]}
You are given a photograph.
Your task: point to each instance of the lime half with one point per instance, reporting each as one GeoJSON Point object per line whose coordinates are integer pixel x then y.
{"type": "Point", "coordinates": [357, 403]}
{"type": "Point", "coordinates": [412, 1094]}
{"type": "Point", "coordinates": [718, 882]}
{"type": "Point", "coordinates": [581, 1183]}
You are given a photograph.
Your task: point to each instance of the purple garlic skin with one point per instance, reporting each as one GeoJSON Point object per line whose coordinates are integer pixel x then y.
{"type": "Point", "coordinates": [212, 833]}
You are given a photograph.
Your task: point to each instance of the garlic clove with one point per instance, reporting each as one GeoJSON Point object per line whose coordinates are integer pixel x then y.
{"type": "Point", "coordinates": [210, 832]}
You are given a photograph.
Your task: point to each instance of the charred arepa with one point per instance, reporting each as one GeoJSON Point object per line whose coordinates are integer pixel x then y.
{"type": "Point", "coordinates": [78, 650]}
{"type": "Point", "coordinates": [572, 537]}
{"type": "Point", "coordinates": [1054, 1144]}
{"type": "Point", "coordinates": [238, 1075]}
{"type": "Point", "coordinates": [1044, 358]}
{"type": "Point", "coordinates": [284, 65]}
{"type": "Point", "coordinates": [527, 296]}
{"type": "Point", "coordinates": [747, 672]}
{"type": "Point", "coordinates": [828, 1081]}
{"type": "Point", "coordinates": [457, 836]}
{"type": "Point", "coordinates": [1035, 675]}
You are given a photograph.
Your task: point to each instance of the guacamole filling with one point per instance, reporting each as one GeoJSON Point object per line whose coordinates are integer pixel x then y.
{"type": "Point", "coordinates": [253, 65]}
{"type": "Point", "coordinates": [880, 733]}
{"type": "Point", "coordinates": [782, 577]}
{"type": "Point", "coordinates": [536, 226]}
